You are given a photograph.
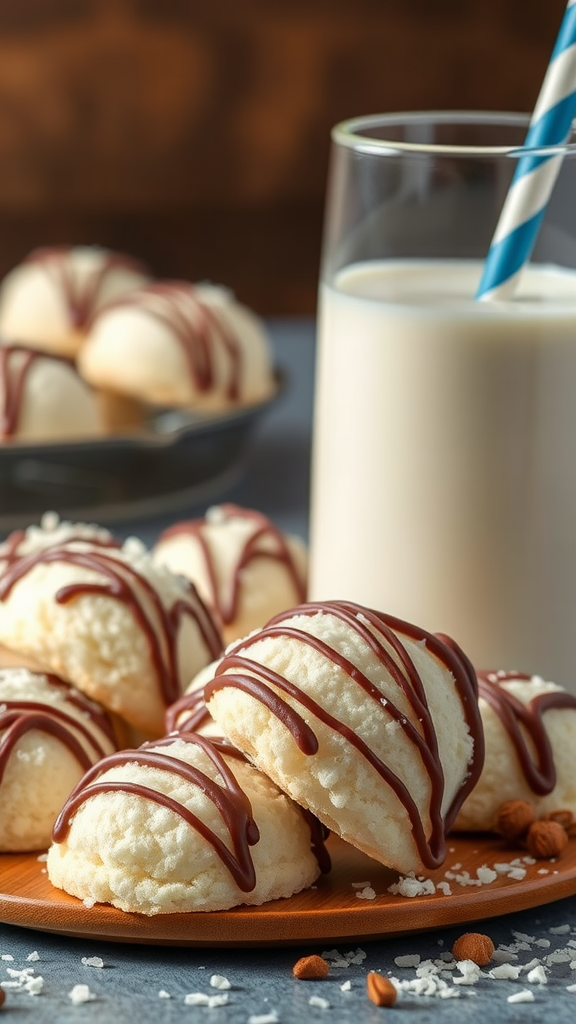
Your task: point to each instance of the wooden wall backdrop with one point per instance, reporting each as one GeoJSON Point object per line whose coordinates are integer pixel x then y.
{"type": "Point", "coordinates": [195, 133]}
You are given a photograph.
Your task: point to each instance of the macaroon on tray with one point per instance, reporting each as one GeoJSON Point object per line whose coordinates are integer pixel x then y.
{"type": "Point", "coordinates": [116, 387]}
{"type": "Point", "coordinates": [192, 752]}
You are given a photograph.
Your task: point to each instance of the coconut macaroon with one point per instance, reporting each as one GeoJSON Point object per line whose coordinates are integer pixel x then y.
{"type": "Point", "coordinates": [244, 568]}
{"type": "Point", "coordinates": [49, 300]}
{"type": "Point", "coordinates": [42, 398]}
{"type": "Point", "coordinates": [49, 531]}
{"type": "Point", "coordinates": [183, 345]}
{"type": "Point", "coordinates": [50, 734]}
{"type": "Point", "coordinates": [369, 722]}
{"type": "Point", "coordinates": [181, 825]}
{"type": "Point", "coordinates": [189, 712]}
{"type": "Point", "coordinates": [125, 631]}
{"type": "Point", "coordinates": [530, 736]}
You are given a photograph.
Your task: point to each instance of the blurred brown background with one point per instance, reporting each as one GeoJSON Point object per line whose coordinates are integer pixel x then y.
{"type": "Point", "coordinates": [195, 133]}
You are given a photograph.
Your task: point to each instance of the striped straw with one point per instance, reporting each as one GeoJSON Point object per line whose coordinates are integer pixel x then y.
{"type": "Point", "coordinates": [534, 178]}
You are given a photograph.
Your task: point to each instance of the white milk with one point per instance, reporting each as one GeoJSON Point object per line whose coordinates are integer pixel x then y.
{"type": "Point", "coordinates": [444, 462]}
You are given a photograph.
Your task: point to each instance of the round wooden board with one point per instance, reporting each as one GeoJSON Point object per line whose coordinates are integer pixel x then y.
{"type": "Point", "coordinates": [330, 911]}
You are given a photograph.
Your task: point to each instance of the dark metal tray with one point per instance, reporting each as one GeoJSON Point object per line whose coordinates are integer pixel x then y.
{"type": "Point", "coordinates": [176, 461]}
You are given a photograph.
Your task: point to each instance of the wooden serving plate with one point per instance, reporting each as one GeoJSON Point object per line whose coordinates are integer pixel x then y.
{"type": "Point", "coordinates": [326, 913]}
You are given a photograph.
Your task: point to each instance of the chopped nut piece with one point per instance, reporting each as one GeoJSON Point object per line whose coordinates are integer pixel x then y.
{"type": "Point", "coordinates": [546, 839]}
{"type": "Point", "coordinates": [2, 996]}
{"type": "Point", "coordinates": [563, 816]}
{"type": "Point", "coordinates": [514, 819]}
{"type": "Point", "coordinates": [380, 990]}
{"type": "Point", "coordinates": [474, 946]}
{"type": "Point", "coordinates": [310, 968]}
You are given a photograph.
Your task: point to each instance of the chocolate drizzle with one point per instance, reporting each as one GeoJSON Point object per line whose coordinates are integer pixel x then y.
{"type": "Point", "coordinates": [193, 707]}
{"type": "Point", "coordinates": [266, 541]}
{"type": "Point", "coordinates": [379, 633]}
{"type": "Point", "coordinates": [81, 297]}
{"type": "Point", "coordinates": [18, 717]}
{"type": "Point", "coordinates": [524, 722]}
{"type": "Point", "coordinates": [16, 362]}
{"type": "Point", "coordinates": [10, 548]}
{"type": "Point", "coordinates": [195, 325]}
{"type": "Point", "coordinates": [230, 800]}
{"type": "Point", "coordinates": [124, 584]}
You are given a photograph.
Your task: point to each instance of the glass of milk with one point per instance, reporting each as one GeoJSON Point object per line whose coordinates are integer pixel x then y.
{"type": "Point", "coordinates": [444, 451]}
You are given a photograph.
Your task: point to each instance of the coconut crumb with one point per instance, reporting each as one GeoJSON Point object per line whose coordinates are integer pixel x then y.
{"type": "Point", "coordinates": [525, 996]}
{"type": "Point", "coordinates": [34, 985]}
{"type": "Point", "coordinates": [92, 961]}
{"type": "Point", "coordinates": [470, 973]}
{"type": "Point", "coordinates": [410, 886]}
{"type": "Point", "coordinates": [367, 894]}
{"type": "Point", "coordinates": [219, 981]}
{"type": "Point", "coordinates": [264, 1018]}
{"type": "Point", "coordinates": [201, 999]}
{"type": "Point", "coordinates": [537, 976]}
{"type": "Point", "coordinates": [80, 994]}
{"type": "Point", "coordinates": [346, 986]}
{"type": "Point", "coordinates": [506, 971]}
{"type": "Point", "coordinates": [318, 1001]}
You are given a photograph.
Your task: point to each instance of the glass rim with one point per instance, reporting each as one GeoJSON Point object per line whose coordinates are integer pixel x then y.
{"type": "Point", "coordinates": [350, 134]}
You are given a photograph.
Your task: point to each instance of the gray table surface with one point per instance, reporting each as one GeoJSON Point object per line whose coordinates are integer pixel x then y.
{"type": "Point", "coordinates": [127, 987]}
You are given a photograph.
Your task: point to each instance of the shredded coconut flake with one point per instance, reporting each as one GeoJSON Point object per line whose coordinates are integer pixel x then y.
{"type": "Point", "coordinates": [318, 1001]}
{"type": "Point", "coordinates": [92, 961]}
{"type": "Point", "coordinates": [410, 886]}
{"type": "Point", "coordinates": [506, 971]}
{"type": "Point", "coordinates": [525, 996]}
{"type": "Point", "coordinates": [537, 976]}
{"type": "Point", "coordinates": [80, 994]}
{"type": "Point", "coordinates": [34, 985]}
{"type": "Point", "coordinates": [219, 981]}
{"type": "Point", "coordinates": [201, 999]}
{"type": "Point", "coordinates": [366, 894]}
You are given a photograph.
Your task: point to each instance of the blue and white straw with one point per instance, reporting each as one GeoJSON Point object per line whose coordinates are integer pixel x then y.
{"type": "Point", "coordinates": [535, 175]}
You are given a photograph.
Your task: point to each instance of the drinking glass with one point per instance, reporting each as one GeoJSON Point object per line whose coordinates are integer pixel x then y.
{"type": "Point", "coordinates": [444, 448]}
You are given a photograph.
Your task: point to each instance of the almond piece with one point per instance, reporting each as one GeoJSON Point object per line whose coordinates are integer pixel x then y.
{"type": "Point", "coordinates": [380, 989]}
{"type": "Point", "coordinates": [474, 946]}
{"type": "Point", "coordinates": [310, 968]}
{"type": "Point", "coordinates": [546, 839]}
{"type": "Point", "coordinates": [563, 816]}
{"type": "Point", "coordinates": [514, 819]}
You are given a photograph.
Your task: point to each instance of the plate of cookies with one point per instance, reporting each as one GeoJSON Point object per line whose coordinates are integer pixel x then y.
{"type": "Point", "coordinates": [204, 757]}
{"type": "Point", "coordinates": [120, 393]}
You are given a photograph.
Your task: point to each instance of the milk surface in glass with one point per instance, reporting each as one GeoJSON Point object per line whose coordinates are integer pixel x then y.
{"type": "Point", "coordinates": [444, 463]}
